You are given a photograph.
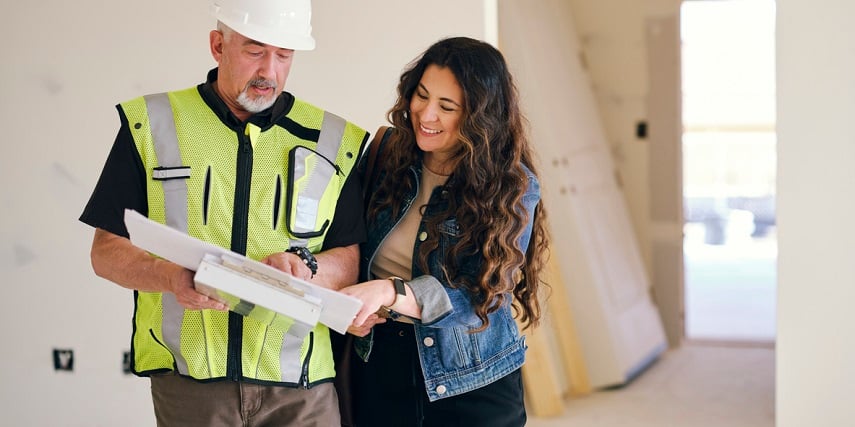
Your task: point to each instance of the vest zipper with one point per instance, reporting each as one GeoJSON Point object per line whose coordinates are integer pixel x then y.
{"type": "Point", "coordinates": [304, 375]}
{"type": "Point", "coordinates": [241, 203]}
{"type": "Point", "coordinates": [240, 220]}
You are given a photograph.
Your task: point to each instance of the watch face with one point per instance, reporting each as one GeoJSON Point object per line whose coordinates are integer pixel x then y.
{"type": "Point", "coordinates": [399, 286]}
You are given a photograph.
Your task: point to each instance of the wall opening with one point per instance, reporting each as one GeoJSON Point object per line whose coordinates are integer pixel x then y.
{"type": "Point", "coordinates": [729, 164]}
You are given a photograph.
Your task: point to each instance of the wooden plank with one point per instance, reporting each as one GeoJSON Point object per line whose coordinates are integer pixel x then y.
{"type": "Point", "coordinates": [543, 392]}
{"type": "Point", "coordinates": [555, 365]}
{"type": "Point", "coordinates": [564, 329]}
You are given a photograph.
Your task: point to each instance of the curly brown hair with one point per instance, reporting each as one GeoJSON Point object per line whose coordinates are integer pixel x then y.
{"type": "Point", "coordinates": [488, 181]}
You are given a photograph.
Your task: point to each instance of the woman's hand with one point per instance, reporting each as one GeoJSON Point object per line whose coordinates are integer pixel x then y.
{"type": "Point", "coordinates": [373, 294]}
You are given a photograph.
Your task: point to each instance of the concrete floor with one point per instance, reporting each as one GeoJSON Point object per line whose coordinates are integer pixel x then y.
{"type": "Point", "coordinates": [696, 385]}
{"type": "Point", "coordinates": [730, 298]}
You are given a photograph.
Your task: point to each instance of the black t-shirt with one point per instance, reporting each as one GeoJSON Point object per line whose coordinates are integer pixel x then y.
{"type": "Point", "coordinates": [122, 184]}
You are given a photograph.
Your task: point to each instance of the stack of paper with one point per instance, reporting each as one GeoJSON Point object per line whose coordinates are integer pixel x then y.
{"type": "Point", "coordinates": [262, 295]}
{"type": "Point", "coordinates": [249, 287]}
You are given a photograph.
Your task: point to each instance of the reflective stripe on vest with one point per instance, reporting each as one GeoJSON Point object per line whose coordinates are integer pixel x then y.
{"type": "Point", "coordinates": [310, 185]}
{"type": "Point", "coordinates": [165, 140]}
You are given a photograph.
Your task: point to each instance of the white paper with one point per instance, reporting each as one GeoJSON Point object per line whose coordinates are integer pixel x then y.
{"type": "Point", "coordinates": [338, 309]}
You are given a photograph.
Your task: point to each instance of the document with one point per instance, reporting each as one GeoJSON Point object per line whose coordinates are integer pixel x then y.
{"type": "Point", "coordinates": [250, 288]}
{"type": "Point", "coordinates": [277, 300]}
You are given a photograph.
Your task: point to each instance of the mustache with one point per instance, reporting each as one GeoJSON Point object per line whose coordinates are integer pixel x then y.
{"type": "Point", "coordinates": [261, 83]}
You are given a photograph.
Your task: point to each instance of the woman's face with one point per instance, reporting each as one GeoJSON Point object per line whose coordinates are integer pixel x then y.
{"type": "Point", "coordinates": [435, 110]}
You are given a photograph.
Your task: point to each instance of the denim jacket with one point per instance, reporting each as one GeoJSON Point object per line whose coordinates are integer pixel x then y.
{"type": "Point", "coordinates": [453, 360]}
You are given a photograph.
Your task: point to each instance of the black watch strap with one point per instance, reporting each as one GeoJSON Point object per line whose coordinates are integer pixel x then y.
{"type": "Point", "coordinates": [306, 255]}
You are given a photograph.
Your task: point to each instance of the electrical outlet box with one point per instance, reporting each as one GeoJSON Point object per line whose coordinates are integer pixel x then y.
{"type": "Point", "coordinates": [63, 359]}
{"type": "Point", "coordinates": [641, 130]}
{"type": "Point", "coordinates": [126, 362]}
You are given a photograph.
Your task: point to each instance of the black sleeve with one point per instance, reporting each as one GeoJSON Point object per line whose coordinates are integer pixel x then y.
{"type": "Point", "coordinates": [121, 186]}
{"type": "Point", "coordinates": [348, 225]}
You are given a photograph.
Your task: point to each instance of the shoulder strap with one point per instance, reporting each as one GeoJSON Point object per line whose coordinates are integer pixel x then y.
{"type": "Point", "coordinates": [370, 171]}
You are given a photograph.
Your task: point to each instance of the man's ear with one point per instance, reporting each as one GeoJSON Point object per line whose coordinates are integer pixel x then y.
{"type": "Point", "coordinates": [216, 42]}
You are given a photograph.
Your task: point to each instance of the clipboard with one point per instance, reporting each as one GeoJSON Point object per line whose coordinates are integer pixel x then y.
{"type": "Point", "coordinates": [336, 310]}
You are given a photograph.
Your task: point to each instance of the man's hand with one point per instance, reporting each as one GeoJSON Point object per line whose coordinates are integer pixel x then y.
{"type": "Point", "coordinates": [116, 259]}
{"type": "Point", "coordinates": [365, 328]}
{"type": "Point", "coordinates": [337, 267]}
{"type": "Point", "coordinates": [184, 289]}
{"type": "Point", "coordinates": [290, 263]}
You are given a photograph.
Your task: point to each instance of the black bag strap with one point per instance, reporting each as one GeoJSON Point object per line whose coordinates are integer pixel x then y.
{"type": "Point", "coordinates": [371, 171]}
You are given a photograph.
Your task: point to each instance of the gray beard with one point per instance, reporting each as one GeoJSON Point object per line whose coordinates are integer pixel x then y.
{"type": "Point", "coordinates": [254, 105]}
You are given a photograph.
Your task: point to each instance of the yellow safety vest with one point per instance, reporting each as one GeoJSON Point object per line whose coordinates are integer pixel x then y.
{"type": "Point", "coordinates": [257, 191]}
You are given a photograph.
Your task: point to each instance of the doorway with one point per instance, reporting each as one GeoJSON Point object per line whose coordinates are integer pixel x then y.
{"type": "Point", "coordinates": [729, 164]}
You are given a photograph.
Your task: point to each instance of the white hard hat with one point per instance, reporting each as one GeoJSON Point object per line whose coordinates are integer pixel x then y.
{"type": "Point", "coordinates": [281, 23]}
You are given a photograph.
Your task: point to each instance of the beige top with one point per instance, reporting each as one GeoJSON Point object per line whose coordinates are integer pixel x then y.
{"type": "Point", "coordinates": [395, 255]}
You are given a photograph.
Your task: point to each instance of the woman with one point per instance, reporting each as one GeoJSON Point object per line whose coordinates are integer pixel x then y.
{"type": "Point", "coordinates": [456, 245]}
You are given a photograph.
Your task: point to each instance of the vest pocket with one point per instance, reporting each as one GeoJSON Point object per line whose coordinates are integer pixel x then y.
{"type": "Point", "coordinates": [206, 197]}
{"type": "Point", "coordinates": [308, 213]}
{"type": "Point", "coordinates": [277, 199]}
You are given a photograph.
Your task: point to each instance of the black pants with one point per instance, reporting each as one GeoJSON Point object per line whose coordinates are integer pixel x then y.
{"type": "Point", "coordinates": [389, 390]}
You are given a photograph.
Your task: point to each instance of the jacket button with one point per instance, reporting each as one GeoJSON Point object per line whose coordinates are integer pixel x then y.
{"type": "Point", "coordinates": [423, 236]}
{"type": "Point", "coordinates": [428, 341]}
{"type": "Point", "coordinates": [441, 389]}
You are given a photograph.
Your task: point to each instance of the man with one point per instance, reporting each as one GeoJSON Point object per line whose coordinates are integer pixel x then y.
{"type": "Point", "coordinates": [238, 162]}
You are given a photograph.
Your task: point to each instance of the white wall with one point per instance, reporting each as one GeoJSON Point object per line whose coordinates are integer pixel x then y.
{"type": "Point", "coordinates": [614, 51]}
{"type": "Point", "coordinates": [816, 207]}
{"type": "Point", "coordinates": [65, 66]}
{"type": "Point", "coordinates": [354, 73]}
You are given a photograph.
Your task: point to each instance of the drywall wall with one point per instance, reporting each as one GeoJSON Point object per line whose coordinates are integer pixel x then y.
{"type": "Point", "coordinates": [816, 148]}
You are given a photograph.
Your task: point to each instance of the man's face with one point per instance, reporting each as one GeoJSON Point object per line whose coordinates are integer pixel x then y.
{"type": "Point", "coordinates": [251, 74]}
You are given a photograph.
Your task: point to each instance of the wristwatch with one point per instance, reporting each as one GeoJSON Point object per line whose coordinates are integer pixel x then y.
{"type": "Point", "coordinates": [400, 290]}
{"type": "Point", "coordinates": [306, 256]}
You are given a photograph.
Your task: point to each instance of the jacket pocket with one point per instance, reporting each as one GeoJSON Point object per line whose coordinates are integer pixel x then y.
{"type": "Point", "coordinates": [449, 234]}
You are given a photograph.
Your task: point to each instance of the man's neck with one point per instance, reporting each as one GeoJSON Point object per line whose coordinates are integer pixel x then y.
{"type": "Point", "coordinates": [237, 110]}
